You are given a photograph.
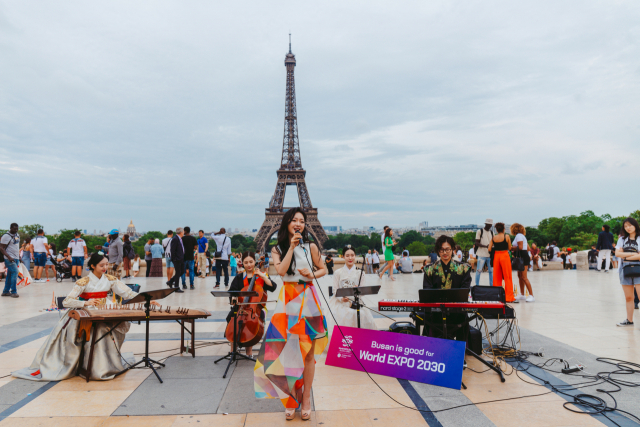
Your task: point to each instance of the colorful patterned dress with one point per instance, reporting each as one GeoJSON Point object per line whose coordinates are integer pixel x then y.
{"type": "Point", "coordinates": [296, 322]}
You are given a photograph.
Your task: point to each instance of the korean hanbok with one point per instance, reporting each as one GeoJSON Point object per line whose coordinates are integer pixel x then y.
{"type": "Point", "coordinates": [342, 311]}
{"type": "Point", "coordinates": [59, 356]}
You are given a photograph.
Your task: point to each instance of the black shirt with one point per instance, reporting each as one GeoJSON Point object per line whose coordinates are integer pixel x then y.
{"type": "Point", "coordinates": [190, 244]}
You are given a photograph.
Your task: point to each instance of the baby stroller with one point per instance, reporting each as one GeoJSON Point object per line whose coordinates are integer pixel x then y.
{"type": "Point", "coordinates": [63, 269]}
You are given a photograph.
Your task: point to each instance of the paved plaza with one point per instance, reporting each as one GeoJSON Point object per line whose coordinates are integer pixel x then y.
{"type": "Point", "coordinates": [574, 318]}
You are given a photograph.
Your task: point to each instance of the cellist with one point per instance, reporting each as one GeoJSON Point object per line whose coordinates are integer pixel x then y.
{"type": "Point", "coordinates": [242, 280]}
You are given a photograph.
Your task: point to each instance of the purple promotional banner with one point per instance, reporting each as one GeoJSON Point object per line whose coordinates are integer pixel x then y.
{"type": "Point", "coordinates": [411, 357]}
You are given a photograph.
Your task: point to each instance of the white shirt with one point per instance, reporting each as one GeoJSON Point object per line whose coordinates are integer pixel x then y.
{"type": "Point", "coordinates": [520, 238]}
{"type": "Point", "coordinates": [91, 284]}
{"type": "Point", "coordinates": [472, 253]}
{"type": "Point", "coordinates": [77, 247]}
{"type": "Point", "coordinates": [368, 258]}
{"type": "Point", "coordinates": [486, 238]}
{"type": "Point", "coordinates": [556, 251]}
{"type": "Point", "coordinates": [382, 241]}
{"type": "Point", "coordinates": [299, 262]}
{"type": "Point", "coordinates": [226, 248]}
{"type": "Point", "coordinates": [459, 256]}
{"type": "Point", "coordinates": [38, 243]}
{"type": "Point", "coordinates": [376, 258]}
{"type": "Point", "coordinates": [166, 245]}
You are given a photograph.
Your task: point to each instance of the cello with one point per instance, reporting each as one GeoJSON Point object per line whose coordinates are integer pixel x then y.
{"type": "Point", "coordinates": [250, 326]}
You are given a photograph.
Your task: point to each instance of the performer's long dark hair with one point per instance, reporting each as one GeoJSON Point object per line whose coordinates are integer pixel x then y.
{"type": "Point", "coordinates": [284, 241]}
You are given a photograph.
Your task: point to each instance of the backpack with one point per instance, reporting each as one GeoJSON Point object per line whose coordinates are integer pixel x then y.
{"type": "Point", "coordinates": [551, 252]}
{"type": "Point", "coordinates": [475, 247]}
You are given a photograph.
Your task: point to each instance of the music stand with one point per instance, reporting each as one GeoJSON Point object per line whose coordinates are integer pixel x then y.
{"type": "Point", "coordinates": [147, 297]}
{"type": "Point", "coordinates": [355, 292]}
{"type": "Point", "coordinates": [234, 355]}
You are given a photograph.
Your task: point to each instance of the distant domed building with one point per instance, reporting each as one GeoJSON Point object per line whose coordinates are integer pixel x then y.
{"type": "Point", "coordinates": [131, 230]}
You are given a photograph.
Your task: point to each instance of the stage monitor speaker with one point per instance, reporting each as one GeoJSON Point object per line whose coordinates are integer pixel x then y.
{"type": "Point", "coordinates": [404, 328]}
{"type": "Point", "coordinates": [474, 340]}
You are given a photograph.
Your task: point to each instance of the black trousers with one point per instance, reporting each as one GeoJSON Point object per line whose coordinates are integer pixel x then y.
{"type": "Point", "coordinates": [178, 272]}
{"type": "Point", "coordinates": [148, 261]}
{"type": "Point", "coordinates": [222, 264]}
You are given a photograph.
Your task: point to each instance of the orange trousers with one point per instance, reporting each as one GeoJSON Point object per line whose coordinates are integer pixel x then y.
{"type": "Point", "coordinates": [502, 270]}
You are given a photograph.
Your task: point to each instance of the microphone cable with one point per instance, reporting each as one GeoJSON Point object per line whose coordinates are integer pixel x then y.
{"type": "Point", "coordinates": [374, 381]}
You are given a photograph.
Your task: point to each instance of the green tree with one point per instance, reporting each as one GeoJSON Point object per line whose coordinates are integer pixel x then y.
{"type": "Point", "coordinates": [586, 222]}
{"type": "Point", "coordinates": [428, 240]}
{"type": "Point", "coordinates": [408, 238]}
{"type": "Point", "coordinates": [417, 248]}
{"type": "Point", "coordinates": [30, 230]}
{"type": "Point", "coordinates": [362, 250]}
{"type": "Point", "coordinates": [138, 245]}
{"type": "Point", "coordinates": [583, 240]}
{"type": "Point", "coordinates": [551, 227]}
{"type": "Point", "coordinates": [465, 239]}
{"type": "Point", "coordinates": [536, 236]}
{"type": "Point", "coordinates": [64, 238]}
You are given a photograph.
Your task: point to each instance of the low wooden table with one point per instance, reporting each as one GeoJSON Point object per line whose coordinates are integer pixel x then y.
{"type": "Point", "coordinates": [88, 320]}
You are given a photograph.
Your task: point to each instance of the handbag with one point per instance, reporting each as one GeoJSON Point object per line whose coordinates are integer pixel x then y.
{"type": "Point", "coordinates": [218, 254]}
{"type": "Point", "coordinates": [516, 263]}
{"type": "Point", "coordinates": [631, 271]}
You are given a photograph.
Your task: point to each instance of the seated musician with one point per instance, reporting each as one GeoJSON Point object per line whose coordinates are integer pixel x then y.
{"type": "Point", "coordinates": [59, 356]}
{"type": "Point", "coordinates": [446, 273]}
{"type": "Point", "coordinates": [243, 280]}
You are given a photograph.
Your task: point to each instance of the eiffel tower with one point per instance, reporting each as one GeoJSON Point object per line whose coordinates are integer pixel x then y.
{"type": "Point", "coordinates": [290, 172]}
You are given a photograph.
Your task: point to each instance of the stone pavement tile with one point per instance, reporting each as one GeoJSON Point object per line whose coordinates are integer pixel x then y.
{"type": "Point", "coordinates": [217, 420]}
{"type": "Point", "coordinates": [466, 416]}
{"type": "Point", "coordinates": [369, 396]}
{"type": "Point", "coordinates": [428, 390]}
{"type": "Point", "coordinates": [53, 422]}
{"type": "Point", "coordinates": [154, 421]}
{"type": "Point", "coordinates": [371, 417]}
{"type": "Point", "coordinates": [278, 419]}
{"type": "Point", "coordinates": [6, 381]}
{"type": "Point", "coordinates": [73, 404]}
{"type": "Point", "coordinates": [239, 398]}
{"type": "Point", "coordinates": [176, 396]}
{"type": "Point", "coordinates": [547, 414]}
{"type": "Point", "coordinates": [130, 380]}
{"type": "Point", "coordinates": [193, 367]}
{"type": "Point", "coordinates": [331, 375]}
{"type": "Point", "coordinates": [486, 392]}
{"type": "Point", "coordinates": [17, 390]}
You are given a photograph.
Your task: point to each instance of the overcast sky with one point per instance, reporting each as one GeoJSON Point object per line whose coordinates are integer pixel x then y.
{"type": "Point", "coordinates": [172, 113]}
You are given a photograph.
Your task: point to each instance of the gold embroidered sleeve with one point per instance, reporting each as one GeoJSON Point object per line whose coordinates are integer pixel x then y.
{"type": "Point", "coordinates": [121, 289]}
{"type": "Point", "coordinates": [72, 301]}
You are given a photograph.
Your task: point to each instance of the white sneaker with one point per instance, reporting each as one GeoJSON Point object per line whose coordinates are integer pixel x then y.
{"type": "Point", "coordinates": [520, 297]}
{"type": "Point", "coordinates": [530, 298]}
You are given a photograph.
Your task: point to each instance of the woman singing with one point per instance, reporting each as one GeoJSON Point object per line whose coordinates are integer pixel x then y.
{"type": "Point", "coordinates": [242, 280]}
{"type": "Point", "coordinates": [298, 329]}
{"type": "Point", "coordinates": [59, 356]}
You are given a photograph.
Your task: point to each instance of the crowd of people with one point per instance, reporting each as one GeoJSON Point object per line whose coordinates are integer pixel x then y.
{"type": "Point", "coordinates": [186, 256]}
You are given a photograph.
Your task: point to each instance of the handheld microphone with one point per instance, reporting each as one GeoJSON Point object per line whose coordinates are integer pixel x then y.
{"type": "Point", "coordinates": [301, 241]}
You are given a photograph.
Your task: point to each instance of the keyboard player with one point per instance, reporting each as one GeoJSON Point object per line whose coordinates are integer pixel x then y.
{"type": "Point", "coordinates": [446, 273]}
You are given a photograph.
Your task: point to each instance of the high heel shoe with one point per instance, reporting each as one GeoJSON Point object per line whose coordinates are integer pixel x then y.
{"type": "Point", "coordinates": [305, 414]}
{"type": "Point", "coordinates": [290, 413]}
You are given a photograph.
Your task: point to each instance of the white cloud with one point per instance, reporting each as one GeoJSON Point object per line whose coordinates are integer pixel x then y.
{"type": "Point", "coordinates": [172, 113]}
